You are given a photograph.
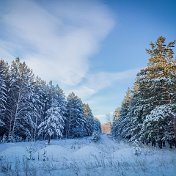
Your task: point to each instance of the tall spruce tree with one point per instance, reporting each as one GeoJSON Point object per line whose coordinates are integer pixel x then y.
{"type": "Point", "coordinates": [123, 119]}
{"type": "Point", "coordinates": [89, 120]}
{"type": "Point", "coordinates": [3, 95]}
{"type": "Point", "coordinates": [160, 81]}
{"type": "Point", "coordinates": [19, 105]}
{"type": "Point", "coordinates": [38, 101]}
{"type": "Point", "coordinates": [150, 116]}
{"type": "Point", "coordinates": [75, 121]}
{"type": "Point", "coordinates": [116, 115]}
{"type": "Point", "coordinates": [53, 123]}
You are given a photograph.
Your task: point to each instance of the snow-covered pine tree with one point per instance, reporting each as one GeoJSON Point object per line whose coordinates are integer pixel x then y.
{"type": "Point", "coordinates": [18, 102]}
{"type": "Point", "coordinates": [53, 123]}
{"type": "Point", "coordinates": [119, 126]}
{"type": "Point", "coordinates": [161, 68]}
{"type": "Point", "coordinates": [140, 105]}
{"type": "Point", "coordinates": [135, 112]}
{"type": "Point", "coordinates": [38, 104]}
{"type": "Point", "coordinates": [3, 95]}
{"type": "Point", "coordinates": [97, 126]}
{"type": "Point", "coordinates": [96, 130]}
{"type": "Point", "coordinates": [151, 112]}
{"type": "Point", "coordinates": [158, 126]}
{"type": "Point", "coordinates": [75, 117]}
{"type": "Point", "coordinates": [116, 115]}
{"type": "Point", "coordinates": [47, 94]}
{"type": "Point", "coordinates": [3, 88]}
{"type": "Point", "coordinates": [54, 111]}
{"type": "Point", "coordinates": [61, 101]}
{"type": "Point", "coordinates": [160, 80]}
{"type": "Point", "coordinates": [89, 120]}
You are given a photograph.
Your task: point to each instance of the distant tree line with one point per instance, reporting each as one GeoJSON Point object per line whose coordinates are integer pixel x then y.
{"type": "Point", "coordinates": [148, 111]}
{"type": "Point", "coordinates": [30, 109]}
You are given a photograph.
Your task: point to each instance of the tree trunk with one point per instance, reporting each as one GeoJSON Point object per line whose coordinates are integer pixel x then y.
{"type": "Point", "coordinates": [16, 111]}
{"type": "Point", "coordinates": [35, 129]}
{"type": "Point", "coordinates": [175, 127]}
{"type": "Point", "coordinates": [49, 139]}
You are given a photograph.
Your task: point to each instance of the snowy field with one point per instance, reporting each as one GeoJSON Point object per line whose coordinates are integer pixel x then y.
{"type": "Point", "coordinates": [85, 158]}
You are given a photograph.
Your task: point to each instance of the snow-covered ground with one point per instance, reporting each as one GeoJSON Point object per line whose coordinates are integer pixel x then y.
{"type": "Point", "coordinates": [84, 157]}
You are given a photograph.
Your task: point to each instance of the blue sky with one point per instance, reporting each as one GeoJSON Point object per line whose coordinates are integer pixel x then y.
{"type": "Point", "coordinates": [94, 48]}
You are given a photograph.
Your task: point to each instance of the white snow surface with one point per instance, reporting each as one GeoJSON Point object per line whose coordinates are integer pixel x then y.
{"type": "Point", "coordinates": [67, 157]}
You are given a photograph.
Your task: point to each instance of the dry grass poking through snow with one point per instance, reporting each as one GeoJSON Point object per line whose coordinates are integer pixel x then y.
{"type": "Point", "coordinates": [85, 158]}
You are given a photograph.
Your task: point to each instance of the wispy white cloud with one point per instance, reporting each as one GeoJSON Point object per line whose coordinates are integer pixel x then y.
{"type": "Point", "coordinates": [105, 117]}
{"type": "Point", "coordinates": [95, 82]}
{"type": "Point", "coordinates": [101, 118]}
{"type": "Point", "coordinates": [101, 103]}
{"type": "Point", "coordinates": [57, 40]}
{"type": "Point", "coordinates": [6, 50]}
